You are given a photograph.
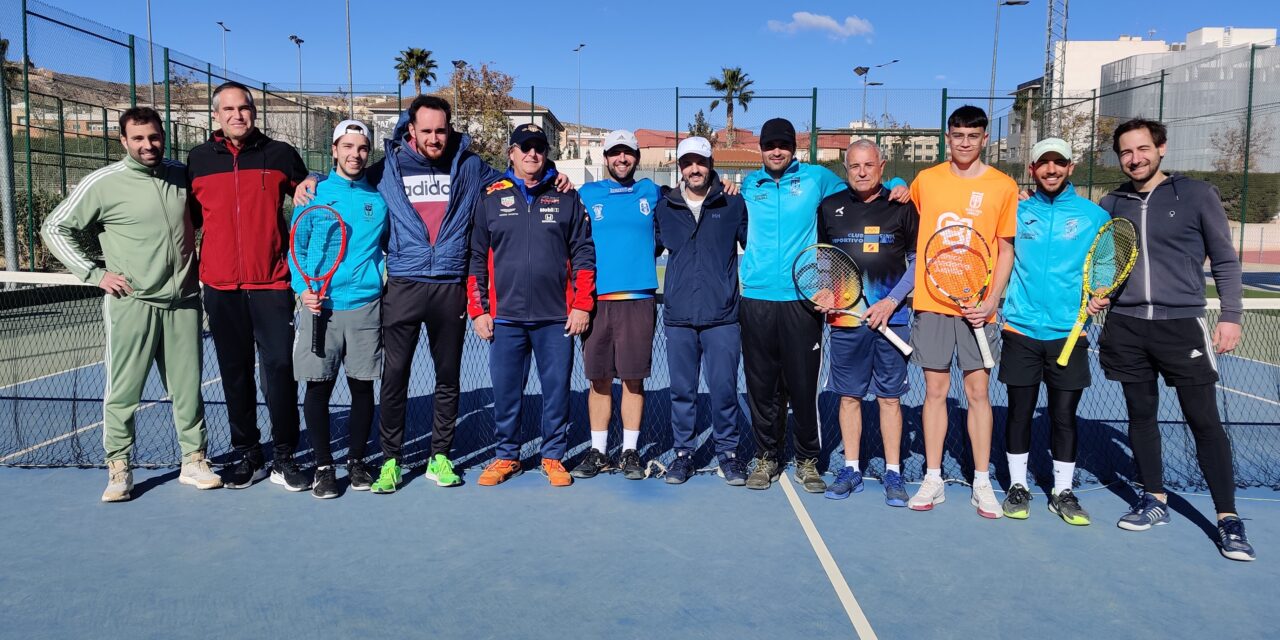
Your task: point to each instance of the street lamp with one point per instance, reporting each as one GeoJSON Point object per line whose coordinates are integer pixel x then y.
{"type": "Point", "coordinates": [225, 31]}
{"type": "Point", "coordinates": [578, 50]}
{"type": "Point", "coordinates": [302, 115]}
{"type": "Point", "coordinates": [995, 47]}
{"type": "Point", "coordinates": [863, 72]}
{"type": "Point", "coordinates": [457, 102]}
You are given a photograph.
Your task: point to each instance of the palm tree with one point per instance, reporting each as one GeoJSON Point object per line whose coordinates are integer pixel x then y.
{"type": "Point", "coordinates": [416, 64]}
{"type": "Point", "coordinates": [733, 83]}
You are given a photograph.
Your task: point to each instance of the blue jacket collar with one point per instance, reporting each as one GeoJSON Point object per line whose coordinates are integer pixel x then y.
{"type": "Point", "coordinates": [548, 177]}
{"type": "Point", "coordinates": [794, 167]}
{"type": "Point", "coordinates": [1067, 194]}
{"type": "Point", "coordinates": [361, 182]}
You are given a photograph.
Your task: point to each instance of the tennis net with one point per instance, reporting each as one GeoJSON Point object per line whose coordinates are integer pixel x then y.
{"type": "Point", "coordinates": [52, 381]}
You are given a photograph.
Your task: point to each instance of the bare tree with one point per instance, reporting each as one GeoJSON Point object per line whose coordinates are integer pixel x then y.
{"type": "Point", "coordinates": [1228, 144]}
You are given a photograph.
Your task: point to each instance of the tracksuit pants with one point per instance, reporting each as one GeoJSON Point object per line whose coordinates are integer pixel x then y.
{"type": "Point", "coordinates": [509, 355]}
{"type": "Point", "coordinates": [781, 355]}
{"type": "Point", "coordinates": [406, 306]}
{"type": "Point", "coordinates": [138, 334]}
{"type": "Point", "coordinates": [240, 320]}
{"type": "Point", "coordinates": [717, 349]}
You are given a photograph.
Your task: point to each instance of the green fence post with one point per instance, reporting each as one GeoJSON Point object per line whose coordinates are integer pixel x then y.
{"type": "Point", "coordinates": [133, 73]}
{"type": "Point", "coordinates": [1093, 138]}
{"type": "Point", "coordinates": [168, 112]}
{"type": "Point", "coordinates": [1160, 109]}
{"type": "Point", "coordinates": [1248, 133]}
{"type": "Point", "coordinates": [813, 130]}
{"type": "Point", "coordinates": [942, 129]}
{"type": "Point", "coordinates": [106, 139]}
{"type": "Point", "coordinates": [62, 147]}
{"type": "Point", "coordinates": [265, 127]}
{"type": "Point", "coordinates": [677, 129]}
{"type": "Point", "coordinates": [306, 129]}
{"type": "Point", "coordinates": [31, 188]}
{"type": "Point", "coordinates": [533, 105]}
{"type": "Point", "coordinates": [208, 90]}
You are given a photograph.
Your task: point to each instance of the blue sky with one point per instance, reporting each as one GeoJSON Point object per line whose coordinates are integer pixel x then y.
{"type": "Point", "coordinates": [657, 43]}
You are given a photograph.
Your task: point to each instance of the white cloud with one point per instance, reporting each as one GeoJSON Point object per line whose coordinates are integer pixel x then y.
{"type": "Point", "coordinates": [939, 77]}
{"type": "Point", "coordinates": [805, 21]}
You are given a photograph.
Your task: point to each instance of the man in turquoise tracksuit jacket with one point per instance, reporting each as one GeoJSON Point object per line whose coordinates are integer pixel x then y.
{"type": "Point", "coordinates": [1056, 227]}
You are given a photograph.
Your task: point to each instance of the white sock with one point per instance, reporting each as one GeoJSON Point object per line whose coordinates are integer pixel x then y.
{"type": "Point", "coordinates": [1018, 468]}
{"type": "Point", "coordinates": [853, 463]}
{"type": "Point", "coordinates": [630, 439]}
{"type": "Point", "coordinates": [896, 468]}
{"type": "Point", "coordinates": [1063, 472]}
{"type": "Point", "coordinates": [600, 441]}
{"type": "Point", "coordinates": [933, 473]}
{"type": "Point", "coordinates": [981, 477]}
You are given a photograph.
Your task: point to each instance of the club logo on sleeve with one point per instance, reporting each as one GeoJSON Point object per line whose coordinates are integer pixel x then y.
{"type": "Point", "coordinates": [499, 186]}
{"type": "Point", "coordinates": [644, 206]}
{"type": "Point", "coordinates": [598, 211]}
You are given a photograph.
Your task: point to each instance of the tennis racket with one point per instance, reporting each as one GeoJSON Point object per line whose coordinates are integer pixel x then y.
{"type": "Point", "coordinates": [317, 243]}
{"type": "Point", "coordinates": [829, 278]}
{"type": "Point", "coordinates": [1110, 259]}
{"type": "Point", "coordinates": [957, 263]}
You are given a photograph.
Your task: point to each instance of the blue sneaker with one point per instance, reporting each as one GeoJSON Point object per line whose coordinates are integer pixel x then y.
{"type": "Point", "coordinates": [895, 490]}
{"type": "Point", "coordinates": [1231, 540]}
{"type": "Point", "coordinates": [681, 468]}
{"type": "Point", "coordinates": [1147, 513]}
{"type": "Point", "coordinates": [733, 470]}
{"type": "Point", "coordinates": [848, 481]}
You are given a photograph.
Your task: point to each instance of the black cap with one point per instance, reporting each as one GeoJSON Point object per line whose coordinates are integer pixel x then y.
{"type": "Point", "coordinates": [527, 132]}
{"type": "Point", "coordinates": [777, 130]}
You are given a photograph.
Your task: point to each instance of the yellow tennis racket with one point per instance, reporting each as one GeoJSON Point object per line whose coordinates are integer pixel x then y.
{"type": "Point", "coordinates": [1110, 259]}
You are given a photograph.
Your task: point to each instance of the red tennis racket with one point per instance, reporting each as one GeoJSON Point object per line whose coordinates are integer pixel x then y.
{"type": "Point", "coordinates": [317, 243]}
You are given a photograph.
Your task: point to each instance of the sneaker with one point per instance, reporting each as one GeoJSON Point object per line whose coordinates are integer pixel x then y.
{"type": "Point", "coordinates": [1017, 503]}
{"type": "Point", "coordinates": [1147, 512]}
{"type": "Point", "coordinates": [498, 472]}
{"type": "Point", "coordinates": [556, 473]}
{"type": "Point", "coordinates": [389, 477]}
{"type": "Point", "coordinates": [287, 474]}
{"type": "Point", "coordinates": [764, 473]}
{"type": "Point", "coordinates": [1067, 506]}
{"type": "Point", "coordinates": [326, 483]}
{"type": "Point", "coordinates": [197, 473]}
{"type": "Point", "coordinates": [359, 476]}
{"type": "Point", "coordinates": [119, 481]}
{"type": "Point", "coordinates": [440, 469]}
{"type": "Point", "coordinates": [807, 475]}
{"type": "Point", "coordinates": [984, 498]}
{"type": "Point", "coordinates": [933, 491]}
{"type": "Point", "coordinates": [895, 490]}
{"type": "Point", "coordinates": [249, 470]}
{"type": "Point", "coordinates": [681, 468]}
{"type": "Point", "coordinates": [632, 469]}
{"type": "Point", "coordinates": [1231, 540]}
{"type": "Point", "coordinates": [592, 465]}
{"type": "Point", "coordinates": [848, 482]}
{"type": "Point", "coordinates": [733, 470]}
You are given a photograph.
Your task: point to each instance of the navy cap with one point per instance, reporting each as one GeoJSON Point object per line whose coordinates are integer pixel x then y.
{"type": "Point", "coordinates": [527, 132]}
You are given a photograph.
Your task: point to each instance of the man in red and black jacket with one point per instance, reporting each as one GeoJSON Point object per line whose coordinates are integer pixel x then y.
{"type": "Point", "coordinates": [529, 291]}
{"type": "Point", "coordinates": [239, 178]}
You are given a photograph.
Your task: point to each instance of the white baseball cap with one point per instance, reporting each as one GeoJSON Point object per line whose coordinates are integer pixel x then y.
{"type": "Point", "coordinates": [696, 145]}
{"type": "Point", "coordinates": [351, 126]}
{"type": "Point", "coordinates": [621, 138]}
{"type": "Point", "coordinates": [1055, 145]}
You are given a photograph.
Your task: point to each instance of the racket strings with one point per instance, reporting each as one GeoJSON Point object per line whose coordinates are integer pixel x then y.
{"type": "Point", "coordinates": [829, 279]}
{"type": "Point", "coordinates": [317, 243]}
{"type": "Point", "coordinates": [1111, 259]}
{"type": "Point", "coordinates": [958, 271]}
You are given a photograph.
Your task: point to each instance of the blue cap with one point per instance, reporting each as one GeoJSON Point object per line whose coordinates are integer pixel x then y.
{"type": "Point", "coordinates": [527, 132]}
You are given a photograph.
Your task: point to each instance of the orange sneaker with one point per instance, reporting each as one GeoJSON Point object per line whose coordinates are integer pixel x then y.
{"type": "Point", "coordinates": [554, 470]}
{"type": "Point", "coordinates": [498, 472]}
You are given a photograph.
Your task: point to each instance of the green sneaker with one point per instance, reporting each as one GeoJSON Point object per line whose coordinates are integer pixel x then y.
{"type": "Point", "coordinates": [388, 479]}
{"type": "Point", "coordinates": [1017, 503]}
{"type": "Point", "coordinates": [441, 470]}
{"type": "Point", "coordinates": [1067, 506]}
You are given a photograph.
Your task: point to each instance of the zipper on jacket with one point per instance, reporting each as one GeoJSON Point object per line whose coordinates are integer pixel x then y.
{"type": "Point", "coordinates": [1146, 260]}
{"type": "Point", "coordinates": [235, 179]}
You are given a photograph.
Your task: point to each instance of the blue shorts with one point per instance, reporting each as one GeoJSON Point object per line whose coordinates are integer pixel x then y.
{"type": "Point", "coordinates": [865, 362]}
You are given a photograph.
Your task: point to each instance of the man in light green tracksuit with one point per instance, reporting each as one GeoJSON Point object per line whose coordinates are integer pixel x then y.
{"type": "Point", "coordinates": [152, 310]}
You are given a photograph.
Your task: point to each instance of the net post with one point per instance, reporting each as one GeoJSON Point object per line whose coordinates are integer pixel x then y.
{"type": "Point", "coordinates": [265, 127]}
{"type": "Point", "coordinates": [208, 91]}
{"type": "Point", "coordinates": [942, 129]}
{"type": "Point", "coordinates": [677, 129]}
{"type": "Point", "coordinates": [1160, 110]}
{"type": "Point", "coordinates": [106, 138]}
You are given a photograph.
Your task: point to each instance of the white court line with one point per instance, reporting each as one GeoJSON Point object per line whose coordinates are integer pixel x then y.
{"type": "Point", "coordinates": [50, 375]}
{"type": "Point", "coordinates": [1219, 385]}
{"type": "Point", "coordinates": [860, 623]}
{"type": "Point", "coordinates": [91, 427]}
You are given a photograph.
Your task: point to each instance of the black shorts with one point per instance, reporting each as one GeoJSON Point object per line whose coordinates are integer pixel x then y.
{"type": "Point", "coordinates": [1025, 362]}
{"type": "Point", "coordinates": [619, 341]}
{"type": "Point", "coordinates": [1136, 350]}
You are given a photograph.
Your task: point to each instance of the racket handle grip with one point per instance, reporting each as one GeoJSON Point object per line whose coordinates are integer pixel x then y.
{"type": "Point", "coordinates": [317, 340]}
{"type": "Point", "coordinates": [893, 338]}
{"type": "Point", "coordinates": [987, 361]}
{"type": "Point", "coordinates": [1070, 344]}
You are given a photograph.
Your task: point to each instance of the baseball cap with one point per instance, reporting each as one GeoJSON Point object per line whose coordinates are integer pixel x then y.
{"type": "Point", "coordinates": [351, 126]}
{"type": "Point", "coordinates": [1056, 145]}
{"type": "Point", "coordinates": [696, 145]}
{"type": "Point", "coordinates": [777, 130]}
{"type": "Point", "coordinates": [527, 132]}
{"type": "Point", "coordinates": [621, 138]}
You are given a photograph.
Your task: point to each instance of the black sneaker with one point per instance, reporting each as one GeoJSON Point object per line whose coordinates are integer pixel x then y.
{"type": "Point", "coordinates": [591, 466]}
{"type": "Point", "coordinates": [288, 475]}
{"type": "Point", "coordinates": [632, 469]}
{"type": "Point", "coordinates": [326, 483]}
{"type": "Point", "coordinates": [359, 476]}
{"type": "Point", "coordinates": [733, 470]}
{"type": "Point", "coordinates": [249, 470]}
{"type": "Point", "coordinates": [681, 468]}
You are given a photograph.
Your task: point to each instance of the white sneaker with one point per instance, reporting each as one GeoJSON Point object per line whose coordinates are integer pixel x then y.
{"type": "Point", "coordinates": [119, 481]}
{"type": "Point", "coordinates": [984, 498]}
{"type": "Point", "coordinates": [932, 491]}
{"type": "Point", "coordinates": [197, 473]}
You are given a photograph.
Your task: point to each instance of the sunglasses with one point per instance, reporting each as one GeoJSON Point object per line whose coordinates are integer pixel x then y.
{"type": "Point", "coordinates": [534, 146]}
{"type": "Point", "coordinates": [1061, 162]}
